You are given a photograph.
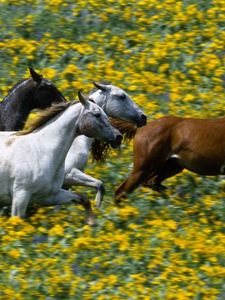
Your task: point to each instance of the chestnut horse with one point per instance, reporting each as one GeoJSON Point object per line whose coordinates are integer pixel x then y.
{"type": "Point", "coordinates": [166, 146]}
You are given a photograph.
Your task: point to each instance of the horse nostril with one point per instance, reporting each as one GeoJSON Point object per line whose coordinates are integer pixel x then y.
{"type": "Point", "coordinates": [116, 142]}
{"type": "Point", "coordinates": [144, 118]}
{"type": "Point", "coordinates": [119, 138]}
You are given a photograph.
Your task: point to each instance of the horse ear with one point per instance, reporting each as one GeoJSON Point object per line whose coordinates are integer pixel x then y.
{"type": "Point", "coordinates": [83, 100]}
{"type": "Point", "coordinates": [91, 100]}
{"type": "Point", "coordinates": [101, 86]}
{"type": "Point", "coordinates": [36, 77]}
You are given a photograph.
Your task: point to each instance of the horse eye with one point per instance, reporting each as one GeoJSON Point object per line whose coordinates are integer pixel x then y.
{"type": "Point", "coordinates": [122, 97]}
{"type": "Point", "coordinates": [47, 85]}
{"type": "Point", "coordinates": [98, 115]}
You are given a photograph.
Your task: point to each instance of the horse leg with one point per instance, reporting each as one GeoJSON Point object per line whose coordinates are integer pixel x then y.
{"type": "Point", "coordinates": [169, 168]}
{"type": "Point", "coordinates": [68, 197]}
{"type": "Point", "coordinates": [131, 183]}
{"type": "Point", "coordinates": [151, 148]}
{"type": "Point", "coordinates": [77, 177]}
{"type": "Point", "coordinates": [19, 203]}
{"type": "Point", "coordinates": [4, 211]}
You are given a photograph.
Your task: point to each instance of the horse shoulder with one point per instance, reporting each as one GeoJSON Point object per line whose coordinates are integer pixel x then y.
{"type": "Point", "coordinates": [78, 153]}
{"type": "Point", "coordinates": [18, 153]}
{"type": "Point", "coordinates": [156, 130]}
{"type": "Point", "coordinates": [152, 142]}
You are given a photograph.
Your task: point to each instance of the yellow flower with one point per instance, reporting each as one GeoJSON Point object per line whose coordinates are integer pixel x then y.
{"type": "Point", "coordinates": [15, 221]}
{"type": "Point", "coordinates": [14, 253]}
{"type": "Point", "coordinates": [128, 211]}
{"type": "Point", "coordinates": [49, 73]}
{"type": "Point", "coordinates": [164, 68]}
{"type": "Point", "coordinates": [56, 230]}
{"type": "Point", "coordinates": [81, 242]}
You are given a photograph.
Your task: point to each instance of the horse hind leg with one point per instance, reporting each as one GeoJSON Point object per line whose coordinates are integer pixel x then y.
{"type": "Point", "coordinates": [5, 211]}
{"type": "Point", "coordinates": [145, 163]}
{"type": "Point", "coordinates": [169, 168]}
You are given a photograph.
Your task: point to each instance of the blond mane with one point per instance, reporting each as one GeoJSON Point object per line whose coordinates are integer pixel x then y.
{"type": "Point", "coordinates": [43, 117]}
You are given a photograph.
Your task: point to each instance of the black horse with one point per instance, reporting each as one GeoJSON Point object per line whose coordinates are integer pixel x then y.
{"type": "Point", "coordinates": [26, 95]}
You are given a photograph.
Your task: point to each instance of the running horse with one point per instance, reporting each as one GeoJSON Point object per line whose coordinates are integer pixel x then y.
{"type": "Point", "coordinates": [124, 115]}
{"type": "Point", "coordinates": [168, 145]}
{"type": "Point", "coordinates": [32, 161]}
{"type": "Point", "coordinates": [36, 92]}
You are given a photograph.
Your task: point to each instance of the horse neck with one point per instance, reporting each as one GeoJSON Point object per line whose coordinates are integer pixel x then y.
{"type": "Point", "coordinates": [56, 137]}
{"type": "Point", "coordinates": [16, 107]}
{"type": "Point", "coordinates": [84, 143]}
{"type": "Point", "coordinates": [99, 99]}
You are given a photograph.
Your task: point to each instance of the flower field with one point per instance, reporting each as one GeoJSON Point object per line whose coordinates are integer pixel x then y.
{"type": "Point", "coordinates": [169, 55]}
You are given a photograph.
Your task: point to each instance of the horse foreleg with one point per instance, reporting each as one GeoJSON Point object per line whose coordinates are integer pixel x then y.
{"type": "Point", "coordinates": [131, 183]}
{"type": "Point", "coordinates": [19, 203]}
{"type": "Point", "coordinates": [77, 177]}
{"type": "Point", "coordinates": [169, 168]}
{"type": "Point", "coordinates": [67, 197]}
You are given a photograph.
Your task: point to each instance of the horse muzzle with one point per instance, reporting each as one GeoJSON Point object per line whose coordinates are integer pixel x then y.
{"type": "Point", "coordinates": [116, 142]}
{"type": "Point", "coordinates": [142, 120]}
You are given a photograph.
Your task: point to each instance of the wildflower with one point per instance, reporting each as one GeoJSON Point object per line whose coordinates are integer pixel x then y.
{"type": "Point", "coordinates": [56, 230]}
{"type": "Point", "coordinates": [14, 253]}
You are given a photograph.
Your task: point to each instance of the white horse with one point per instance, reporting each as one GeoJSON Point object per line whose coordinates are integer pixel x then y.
{"type": "Point", "coordinates": [117, 104]}
{"type": "Point", "coordinates": [32, 162]}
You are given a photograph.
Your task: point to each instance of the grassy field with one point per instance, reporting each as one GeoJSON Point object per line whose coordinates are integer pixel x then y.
{"type": "Point", "coordinates": [169, 56]}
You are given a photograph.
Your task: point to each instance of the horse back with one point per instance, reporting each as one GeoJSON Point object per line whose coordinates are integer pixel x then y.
{"type": "Point", "coordinates": [200, 145]}
{"type": "Point", "coordinates": [206, 133]}
{"type": "Point", "coordinates": [157, 129]}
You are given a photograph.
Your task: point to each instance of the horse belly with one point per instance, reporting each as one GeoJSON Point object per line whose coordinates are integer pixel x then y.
{"type": "Point", "coordinates": [47, 185]}
{"type": "Point", "coordinates": [203, 165]}
{"type": "Point", "coordinates": [5, 195]}
{"type": "Point", "coordinates": [200, 146]}
{"type": "Point", "coordinates": [6, 182]}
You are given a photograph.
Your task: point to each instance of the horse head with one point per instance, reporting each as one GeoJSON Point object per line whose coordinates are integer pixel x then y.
{"type": "Point", "coordinates": [95, 123]}
{"type": "Point", "coordinates": [45, 93]}
{"type": "Point", "coordinates": [117, 104]}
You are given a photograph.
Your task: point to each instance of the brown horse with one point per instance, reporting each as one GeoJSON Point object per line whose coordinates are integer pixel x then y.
{"type": "Point", "coordinates": [166, 146]}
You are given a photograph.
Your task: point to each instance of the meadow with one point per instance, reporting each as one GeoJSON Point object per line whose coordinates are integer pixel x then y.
{"type": "Point", "coordinates": [169, 56]}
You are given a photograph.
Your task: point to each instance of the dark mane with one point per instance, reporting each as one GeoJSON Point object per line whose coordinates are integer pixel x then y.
{"type": "Point", "coordinates": [44, 116]}
{"type": "Point", "coordinates": [101, 149]}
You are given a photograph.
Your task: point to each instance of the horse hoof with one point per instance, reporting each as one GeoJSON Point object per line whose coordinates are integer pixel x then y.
{"type": "Point", "coordinates": [118, 198]}
{"type": "Point", "coordinates": [98, 204]}
{"type": "Point", "coordinates": [158, 188]}
{"type": "Point", "coordinates": [5, 211]}
{"type": "Point", "coordinates": [91, 221]}
{"type": "Point", "coordinates": [118, 201]}
{"type": "Point", "coordinates": [118, 204]}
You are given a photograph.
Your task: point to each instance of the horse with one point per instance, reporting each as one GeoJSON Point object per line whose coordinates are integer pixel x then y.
{"type": "Point", "coordinates": [32, 161]}
{"type": "Point", "coordinates": [168, 145]}
{"type": "Point", "coordinates": [118, 106]}
{"type": "Point", "coordinates": [32, 93]}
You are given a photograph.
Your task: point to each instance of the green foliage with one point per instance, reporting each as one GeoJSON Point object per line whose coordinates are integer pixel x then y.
{"type": "Point", "coordinates": [169, 56]}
